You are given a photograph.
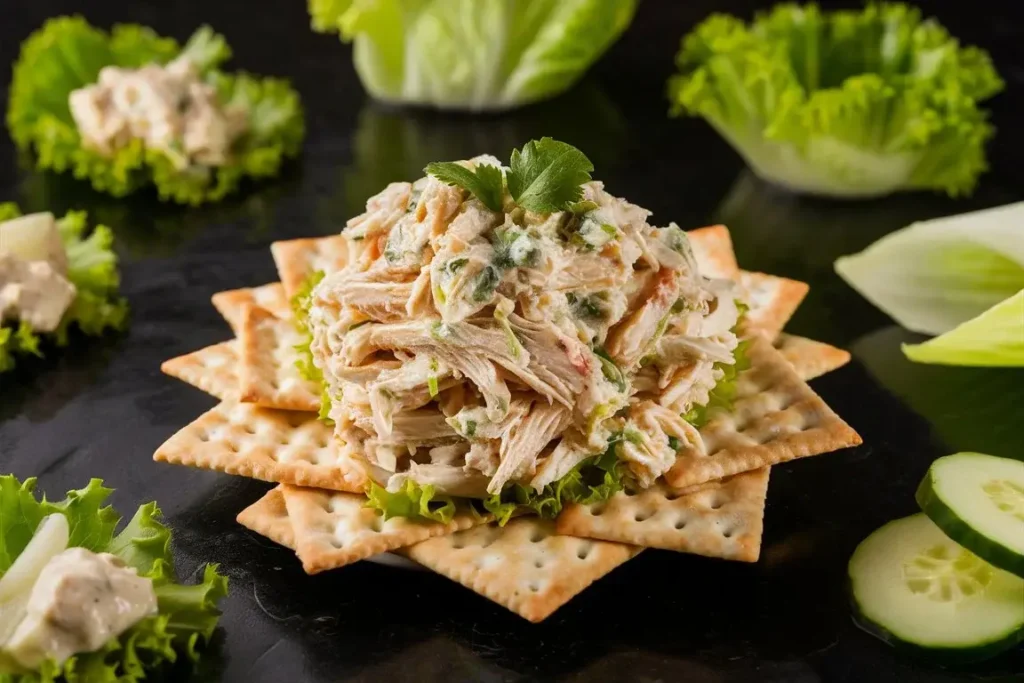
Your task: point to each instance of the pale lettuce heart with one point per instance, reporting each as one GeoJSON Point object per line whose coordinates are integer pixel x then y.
{"type": "Point", "coordinates": [473, 54]}
{"type": "Point", "coordinates": [935, 275]}
{"type": "Point", "coordinates": [994, 338]}
{"type": "Point", "coordinates": [961, 277]}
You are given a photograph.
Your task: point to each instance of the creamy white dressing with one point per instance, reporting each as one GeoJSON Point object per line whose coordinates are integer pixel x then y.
{"type": "Point", "coordinates": [169, 108]}
{"type": "Point", "coordinates": [33, 266]}
{"type": "Point", "coordinates": [56, 602]}
{"type": "Point", "coordinates": [80, 601]}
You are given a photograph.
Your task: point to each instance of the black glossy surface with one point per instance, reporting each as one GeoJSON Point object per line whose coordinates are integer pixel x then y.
{"type": "Point", "coordinates": [101, 410]}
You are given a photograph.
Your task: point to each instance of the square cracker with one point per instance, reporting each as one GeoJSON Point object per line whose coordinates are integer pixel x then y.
{"type": "Point", "coordinates": [297, 259]}
{"type": "Point", "coordinates": [810, 358]}
{"type": "Point", "coordinates": [231, 304]}
{"type": "Point", "coordinates": [268, 517]}
{"type": "Point", "coordinates": [713, 248]}
{"type": "Point", "coordinates": [268, 372]}
{"type": "Point", "coordinates": [333, 529]}
{"type": "Point", "coordinates": [719, 519]}
{"type": "Point", "coordinates": [270, 445]}
{"type": "Point", "coordinates": [772, 300]}
{"type": "Point", "coordinates": [524, 566]}
{"type": "Point", "coordinates": [213, 370]}
{"type": "Point", "coordinates": [775, 417]}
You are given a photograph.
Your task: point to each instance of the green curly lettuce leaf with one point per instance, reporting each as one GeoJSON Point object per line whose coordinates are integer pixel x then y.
{"type": "Point", "coordinates": [848, 103]}
{"type": "Point", "coordinates": [724, 393]}
{"type": "Point", "coordinates": [301, 302]}
{"type": "Point", "coordinates": [413, 501]}
{"type": "Point", "coordinates": [187, 614]}
{"type": "Point", "coordinates": [467, 54]}
{"type": "Point", "coordinates": [92, 268]}
{"type": "Point", "coordinates": [593, 480]}
{"type": "Point", "coordinates": [67, 53]}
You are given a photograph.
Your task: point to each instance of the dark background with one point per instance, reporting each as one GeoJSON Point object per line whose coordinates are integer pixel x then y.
{"type": "Point", "coordinates": [101, 409]}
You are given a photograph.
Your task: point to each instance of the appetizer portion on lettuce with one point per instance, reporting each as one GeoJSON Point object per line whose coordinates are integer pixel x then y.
{"type": "Point", "coordinates": [129, 108]}
{"type": "Point", "coordinates": [473, 54]}
{"type": "Point", "coordinates": [54, 275]}
{"type": "Point", "coordinates": [80, 601]}
{"type": "Point", "coordinates": [847, 103]}
{"type": "Point", "coordinates": [516, 335]}
{"type": "Point", "coordinates": [959, 277]}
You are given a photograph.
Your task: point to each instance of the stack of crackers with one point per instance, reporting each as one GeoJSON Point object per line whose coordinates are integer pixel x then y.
{"type": "Point", "coordinates": [267, 427]}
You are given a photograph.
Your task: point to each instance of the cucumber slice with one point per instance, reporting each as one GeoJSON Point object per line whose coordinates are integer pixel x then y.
{"type": "Point", "coordinates": [50, 540]}
{"type": "Point", "coordinates": [916, 589]}
{"type": "Point", "coordinates": [978, 500]}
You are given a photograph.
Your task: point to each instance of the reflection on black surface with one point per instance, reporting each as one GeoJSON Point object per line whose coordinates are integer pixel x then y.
{"type": "Point", "coordinates": [392, 144]}
{"type": "Point", "coordinates": [809, 233]}
{"type": "Point", "coordinates": [146, 227]}
{"type": "Point", "coordinates": [970, 409]}
{"type": "Point", "coordinates": [209, 668]}
{"type": "Point", "coordinates": [40, 387]}
{"type": "Point", "coordinates": [778, 232]}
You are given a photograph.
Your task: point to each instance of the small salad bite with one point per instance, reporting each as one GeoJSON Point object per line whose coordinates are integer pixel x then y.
{"type": "Point", "coordinates": [55, 275]}
{"type": "Point", "coordinates": [129, 108]}
{"type": "Point", "coordinates": [79, 602]}
{"type": "Point", "coordinates": [519, 336]}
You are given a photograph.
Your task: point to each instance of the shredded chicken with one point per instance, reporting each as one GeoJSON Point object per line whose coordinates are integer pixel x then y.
{"type": "Point", "coordinates": [472, 349]}
{"type": "Point", "coordinates": [169, 108]}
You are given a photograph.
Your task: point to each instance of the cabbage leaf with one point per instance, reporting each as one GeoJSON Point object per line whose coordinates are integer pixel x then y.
{"type": "Point", "coordinates": [994, 338]}
{"type": "Point", "coordinates": [959, 276]}
{"type": "Point", "coordinates": [847, 103]}
{"type": "Point", "coordinates": [67, 53]}
{"type": "Point", "coordinates": [473, 54]}
{"type": "Point", "coordinates": [187, 614]}
{"type": "Point", "coordinates": [92, 268]}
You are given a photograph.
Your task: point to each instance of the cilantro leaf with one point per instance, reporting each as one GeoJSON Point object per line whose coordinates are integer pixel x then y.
{"type": "Point", "coordinates": [546, 175]}
{"type": "Point", "coordinates": [484, 182]}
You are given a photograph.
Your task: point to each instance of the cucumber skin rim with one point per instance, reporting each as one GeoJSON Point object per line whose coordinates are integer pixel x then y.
{"type": "Point", "coordinates": [949, 522]}
{"type": "Point", "coordinates": [972, 654]}
{"type": "Point", "coordinates": [950, 656]}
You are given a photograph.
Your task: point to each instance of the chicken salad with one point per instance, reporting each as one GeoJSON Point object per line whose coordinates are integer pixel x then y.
{"type": "Point", "coordinates": [472, 350]}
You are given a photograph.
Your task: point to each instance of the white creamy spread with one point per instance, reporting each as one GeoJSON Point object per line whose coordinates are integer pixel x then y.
{"type": "Point", "coordinates": [80, 601]}
{"type": "Point", "coordinates": [33, 265]}
{"type": "Point", "coordinates": [170, 108]}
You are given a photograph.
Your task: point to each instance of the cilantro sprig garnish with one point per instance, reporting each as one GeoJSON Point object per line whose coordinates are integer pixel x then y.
{"type": "Point", "coordinates": [546, 175]}
{"type": "Point", "coordinates": [484, 182]}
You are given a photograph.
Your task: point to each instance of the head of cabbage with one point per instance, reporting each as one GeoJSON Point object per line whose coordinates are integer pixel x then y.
{"type": "Point", "coordinates": [473, 54]}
